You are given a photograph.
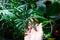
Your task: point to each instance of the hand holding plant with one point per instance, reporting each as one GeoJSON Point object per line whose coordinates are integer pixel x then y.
{"type": "Point", "coordinates": [34, 34]}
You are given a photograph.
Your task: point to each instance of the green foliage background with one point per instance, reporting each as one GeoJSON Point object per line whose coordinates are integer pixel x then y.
{"type": "Point", "coordinates": [15, 20]}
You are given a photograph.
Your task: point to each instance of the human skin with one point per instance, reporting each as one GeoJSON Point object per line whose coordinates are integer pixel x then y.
{"type": "Point", "coordinates": [34, 34]}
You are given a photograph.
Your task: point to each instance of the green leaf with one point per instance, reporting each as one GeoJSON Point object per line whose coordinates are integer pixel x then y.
{"type": "Point", "coordinates": [53, 10]}
{"type": "Point", "coordinates": [46, 22]}
{"type": "Point", "coordinates": [32, 23]}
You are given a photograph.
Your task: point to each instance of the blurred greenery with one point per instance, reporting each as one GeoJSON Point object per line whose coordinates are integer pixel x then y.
{"type": "Point", "coordinates": [15, 20]}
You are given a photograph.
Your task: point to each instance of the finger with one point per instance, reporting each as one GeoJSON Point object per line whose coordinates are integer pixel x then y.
{"type": "Point", "coordinates": [30, 28]}
{"type": "Point", "coordinates": [27, 37]}
{"type": "Point", "coordinates": [28, 31]}
{"type": "Point", "coordinates": [39, 27]}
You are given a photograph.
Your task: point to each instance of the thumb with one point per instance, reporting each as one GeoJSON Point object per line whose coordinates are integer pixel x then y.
{"type": "Point", "coordinates": [39, 27]}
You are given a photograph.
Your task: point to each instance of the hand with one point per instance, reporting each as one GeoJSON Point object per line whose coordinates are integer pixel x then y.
{"type": "Point", "coordinates": [34, 34]}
